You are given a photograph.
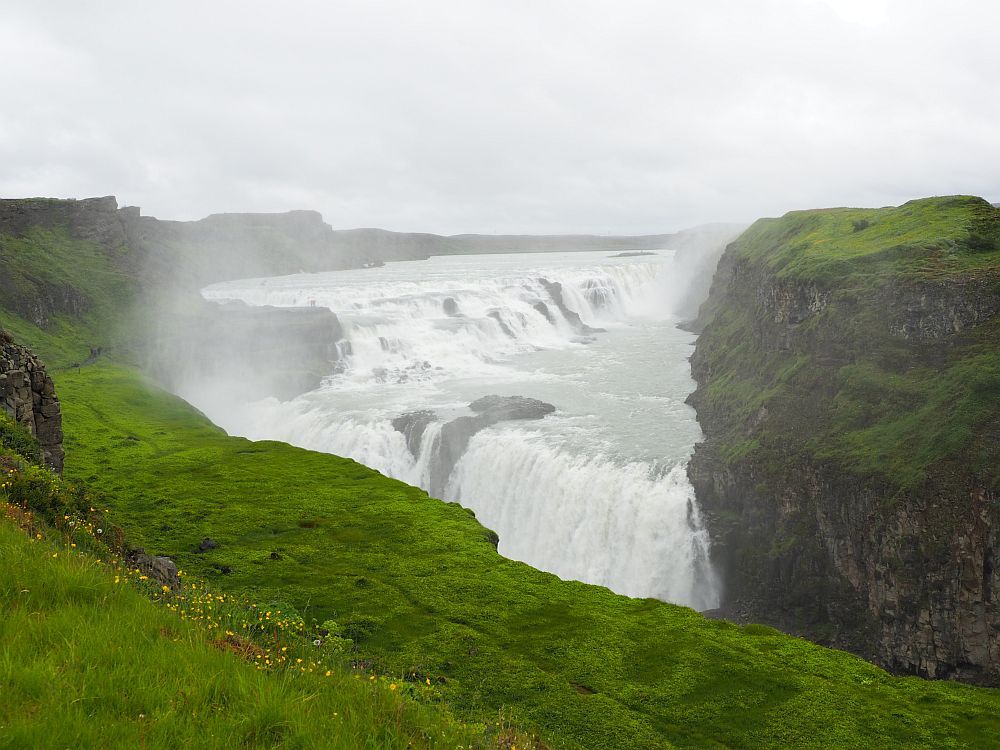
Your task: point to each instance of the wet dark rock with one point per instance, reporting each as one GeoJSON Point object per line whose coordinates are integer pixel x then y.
{"type": "Point", "coordinates": [450, 307]}
{"type": "Point", "coordinates": [554, 288]}
{"type": "Point", "coordinates": [543, 309]}
{"type": "Point", "coordinates": [278, 351]}
{"type": "Point", "coordinates": [902, 575]}
{"type": "Point", "coordinates": [503, 326]}
{"type": "Point", "coordinates": [412, 425]}
{"type": "Point", "coordinates": [456, 434]}
{"type": "Point", "coordinates": [493, 538]}
{"type": "Point", "coordinates": [501, 408]}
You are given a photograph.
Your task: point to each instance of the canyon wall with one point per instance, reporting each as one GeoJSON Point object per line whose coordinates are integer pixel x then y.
{"type": "Point", "coordinates": [849, 392]}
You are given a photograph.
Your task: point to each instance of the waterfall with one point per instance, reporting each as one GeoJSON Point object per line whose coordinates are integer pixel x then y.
{"type": "Point", "coordinates": [434, 336]}
{"type": "Point", "coordinates": [611, 523]}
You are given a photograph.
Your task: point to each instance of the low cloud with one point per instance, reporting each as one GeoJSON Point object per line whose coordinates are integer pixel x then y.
{"type": "Point", "coordinates": [452, 117]}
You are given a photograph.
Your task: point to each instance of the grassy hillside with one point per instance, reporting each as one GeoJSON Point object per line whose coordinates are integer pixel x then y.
{"type": "Point", "coordinates": [419, 588]}
{"type": "Point", "coordinates": [95, 654]}
{"type": "Point", "coordinates": [65, 295]}
{"type": "Point", "coordinates": [86, 662]}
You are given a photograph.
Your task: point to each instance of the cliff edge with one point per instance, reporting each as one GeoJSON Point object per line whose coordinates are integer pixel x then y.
{"type": "Point", "coordinates": [848, 384]}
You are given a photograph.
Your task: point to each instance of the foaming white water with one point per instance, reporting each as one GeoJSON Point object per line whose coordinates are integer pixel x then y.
{"type": "Point", "coordinates": [598, 492]}
{"type": "Point", "coordinates": [588, 517]}
{"type": "Point", "coordinates": [401, 330]}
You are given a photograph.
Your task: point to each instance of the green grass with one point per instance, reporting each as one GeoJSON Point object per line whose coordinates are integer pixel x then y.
{"type": "Point", "coordinates": [85, 293]}
{"type": "Point", "coordinates": [927, 237]}
{"type": "Point", "coordinates": [418, 584]}
{"type": "Point", "coordinates": [86, 662]}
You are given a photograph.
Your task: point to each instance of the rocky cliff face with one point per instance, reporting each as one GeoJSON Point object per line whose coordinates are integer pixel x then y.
{"type": "Point", "coordinates": [93, 219]}
{"type": "Point", "coordinates": [251, 352]}
{"type": "Point", "coordinates": [29, 398]}
{"type": "Point", "coordinates": [849, 472]}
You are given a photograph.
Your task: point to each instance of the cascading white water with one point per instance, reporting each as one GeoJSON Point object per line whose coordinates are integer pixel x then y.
{"type": "Point", "coordinates": [595, 492]}
{"type": "Point", "coordinates": [588, 517]}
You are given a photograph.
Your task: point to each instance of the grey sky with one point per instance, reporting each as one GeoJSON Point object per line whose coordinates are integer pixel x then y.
{"type": "Point", "coordinates": [506, 116]}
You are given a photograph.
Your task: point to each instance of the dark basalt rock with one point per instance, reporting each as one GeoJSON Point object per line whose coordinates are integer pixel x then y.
{"type": "Point", "coordinates": [207, 544]}
{"type": "Point", "coordinates": [903, 575]}
{"type": "Point", "coordinates": [554, 288]}
{"type": "Point", "coordinates": [543, 309]}
{"type": "Point", "coordinates": [456, 434]}
{"type": "Point", "coordinates": [412, 425]}
{"type": "Point", "coordinates": [28, 396]}
{"type": "Point", "coordinates": [279, 351]}
{"type": "Point", "coordinates": [501, 408]}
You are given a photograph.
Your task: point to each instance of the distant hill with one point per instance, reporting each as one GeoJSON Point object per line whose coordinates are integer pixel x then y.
{"type": "Point", "coordinates": [222, 247]}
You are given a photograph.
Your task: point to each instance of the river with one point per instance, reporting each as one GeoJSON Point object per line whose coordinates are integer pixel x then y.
{"type": "Point", "coordinates": [595, 491]}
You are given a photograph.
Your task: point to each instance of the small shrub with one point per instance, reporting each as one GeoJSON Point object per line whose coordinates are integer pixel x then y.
{"type": "Point", "coordinates": [860, 224]}
{"type": "Point", "coordinates": [39, 490]}
{"type": "Point", "coordinates": [359, 628]}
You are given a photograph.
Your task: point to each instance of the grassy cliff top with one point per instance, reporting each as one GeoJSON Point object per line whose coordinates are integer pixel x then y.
{"type": "Point", "coordinates": [924, 238]}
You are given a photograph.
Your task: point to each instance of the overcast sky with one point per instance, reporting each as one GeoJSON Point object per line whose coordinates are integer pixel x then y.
{"type": "Point", "coordinates": [505, 116]}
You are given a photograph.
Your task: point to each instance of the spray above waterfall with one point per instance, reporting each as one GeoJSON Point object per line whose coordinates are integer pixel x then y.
{"type": "Point", "coordinates": [590, 487]}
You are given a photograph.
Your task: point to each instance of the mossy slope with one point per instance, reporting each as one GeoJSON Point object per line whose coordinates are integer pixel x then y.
{"type": "Point", "coordinates": [87, 662]}
{"type": "Point", "coordinates": [418, 585]}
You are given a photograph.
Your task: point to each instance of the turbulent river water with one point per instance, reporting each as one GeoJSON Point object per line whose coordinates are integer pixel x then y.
{"type": "Point", "coordinates": [595, 491]}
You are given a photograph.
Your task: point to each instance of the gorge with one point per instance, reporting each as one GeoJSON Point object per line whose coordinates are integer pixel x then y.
{"type": "Point", "coordinates": [595, 490]}
{"type": "Point", "coordinates": [845, 385]}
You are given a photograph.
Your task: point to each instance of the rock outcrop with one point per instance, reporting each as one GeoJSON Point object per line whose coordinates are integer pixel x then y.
{"type": "Point", "coordinates": [456, 433]}
{"type": "Point", "coordinates": [848, 475]}
{"type": "Point", "coordinates": [96, 220]}
{"type": "Point", "coordinates": [256, 351]}
{"type": "Point", "coordinates": [554, 288]}
{"type": "Point", "coordinates": [28, 396]}
{"type": "Point", "coordinates": [158, 568]}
